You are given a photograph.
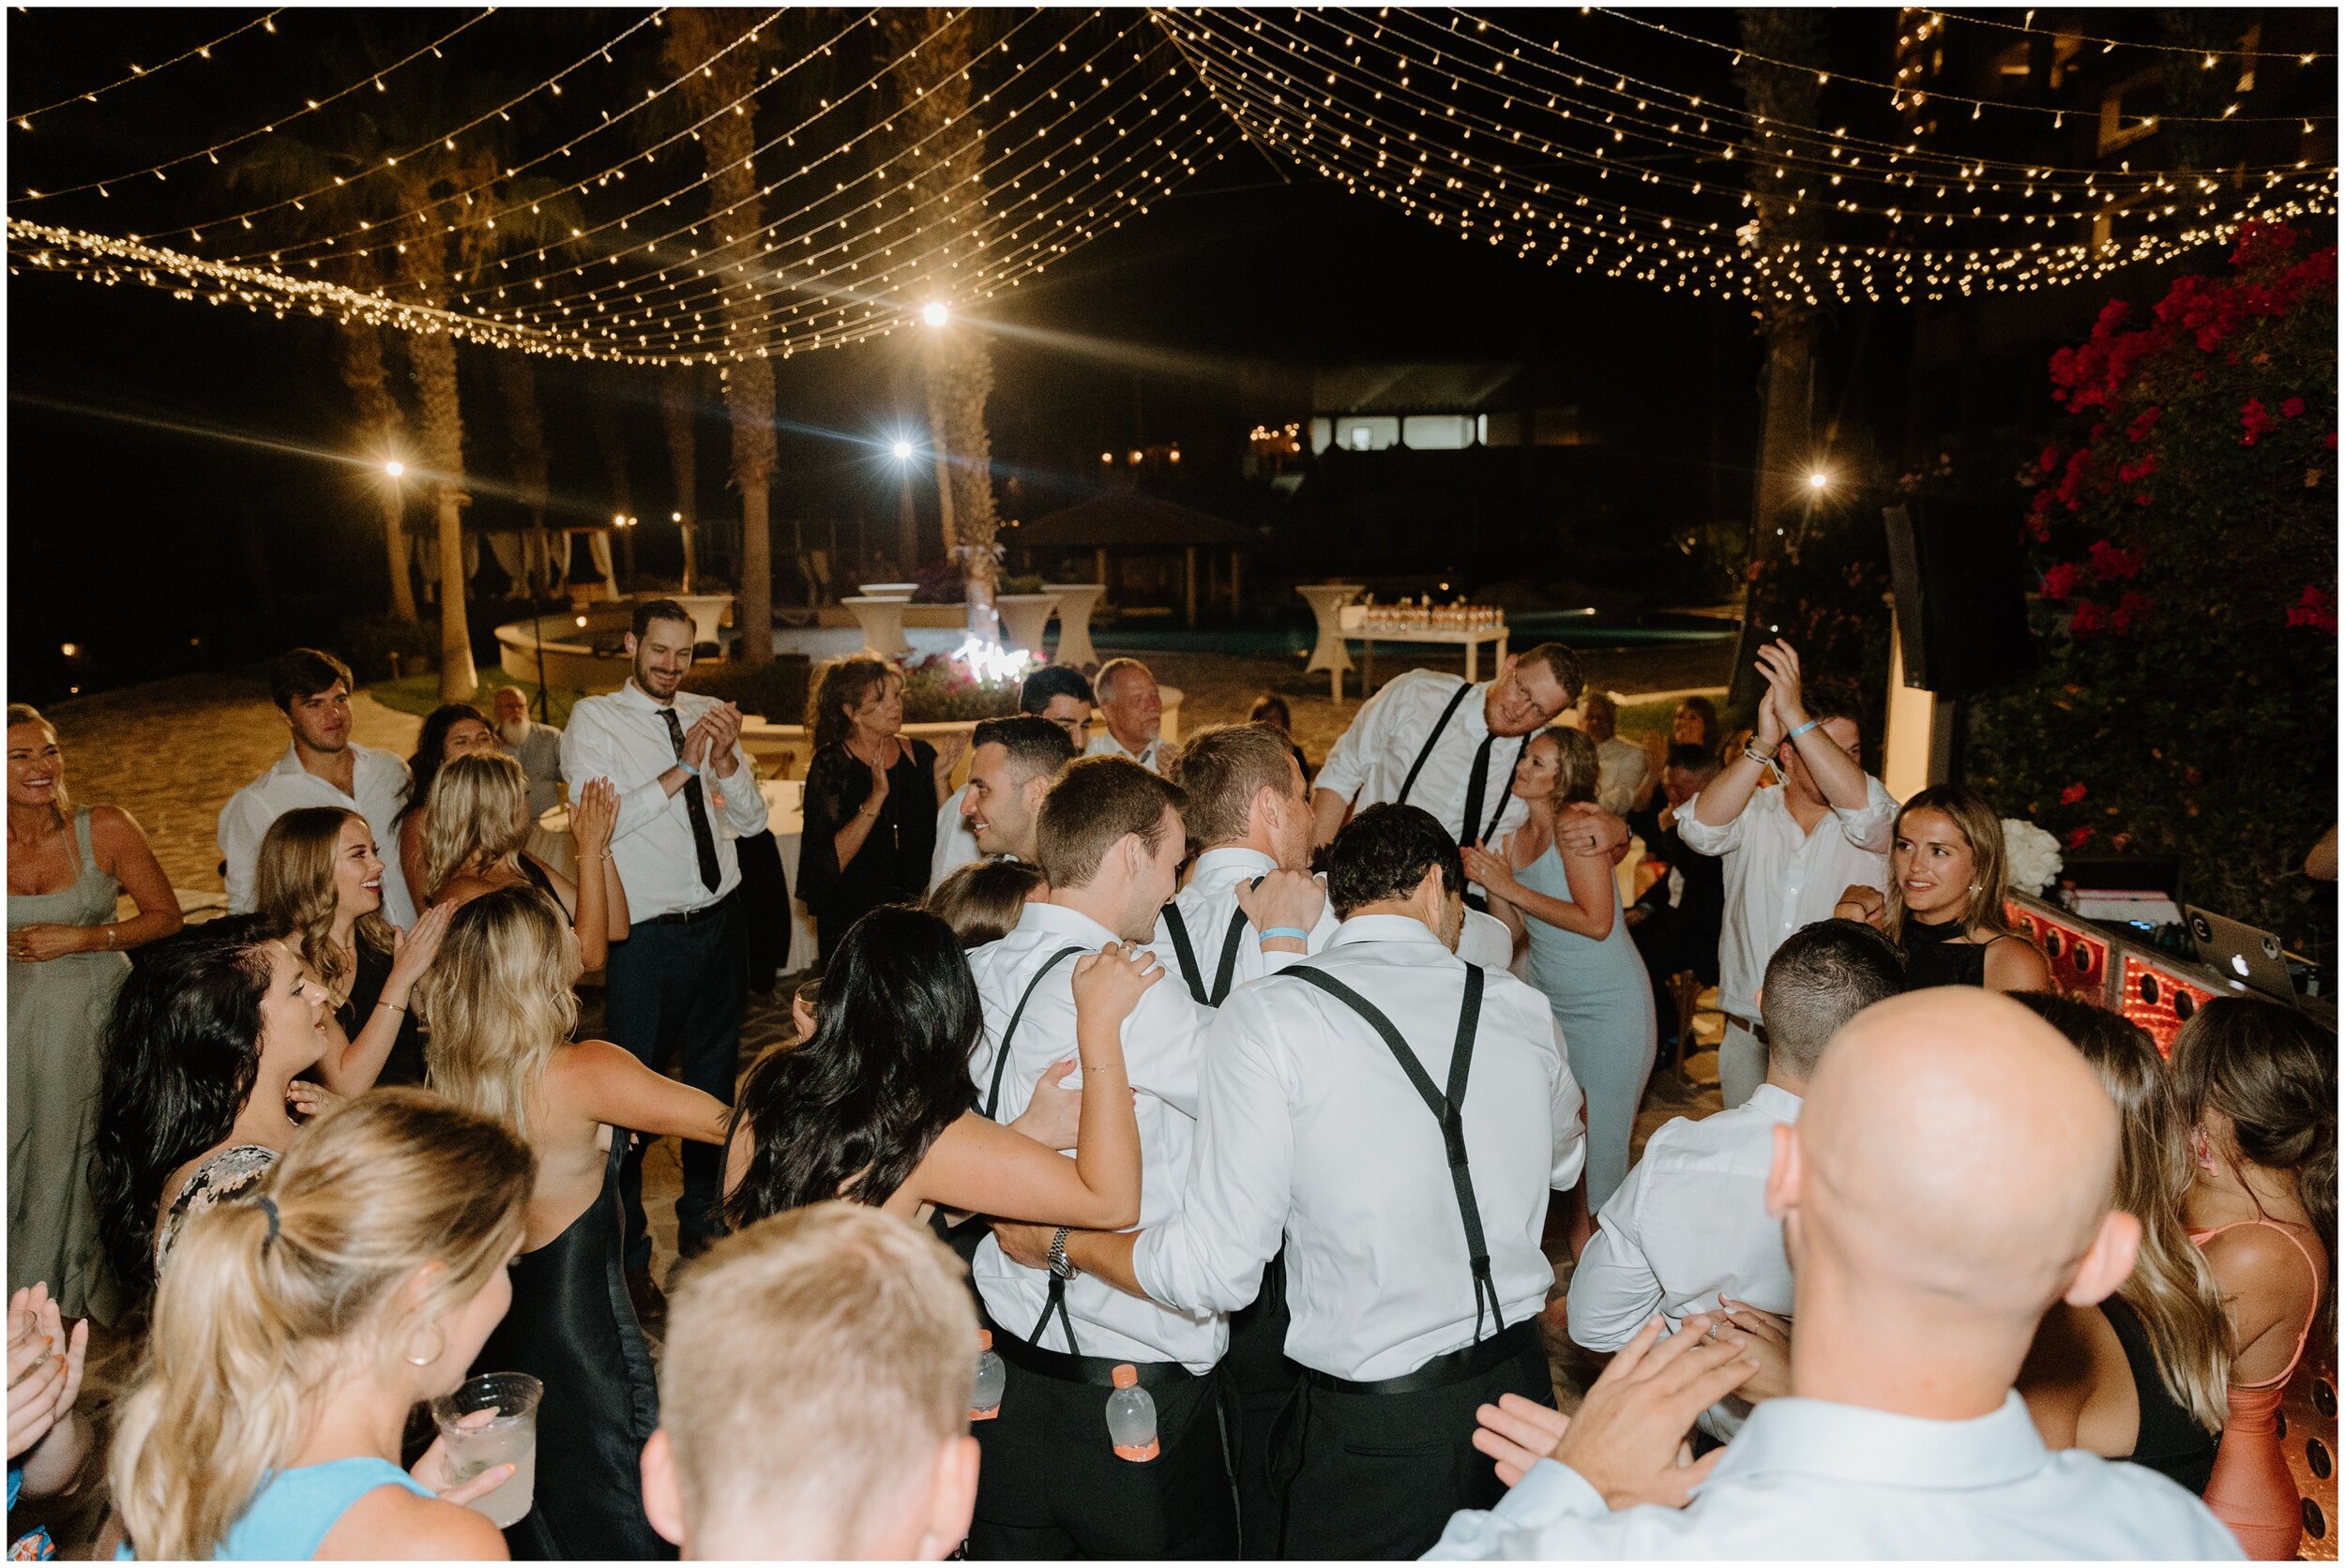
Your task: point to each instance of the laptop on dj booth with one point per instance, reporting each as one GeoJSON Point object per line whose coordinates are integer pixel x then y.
{"type": "Point", "coordinates": [2250, 959]}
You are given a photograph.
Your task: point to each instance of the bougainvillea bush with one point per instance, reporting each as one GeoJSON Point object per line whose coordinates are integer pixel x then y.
{"type": "Point", "coordinates": [2185, 528]}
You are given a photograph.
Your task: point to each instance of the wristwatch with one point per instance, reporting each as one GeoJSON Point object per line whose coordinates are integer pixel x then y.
{"type": "Point", "coordinates": [1059, 1265]}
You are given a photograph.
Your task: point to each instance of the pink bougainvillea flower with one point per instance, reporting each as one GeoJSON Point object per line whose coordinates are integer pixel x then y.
{"type": "Point", "coordinates": [2087, 619]}
{"type": "Point", "coordinates": [2143, 424]}
{"type": "Point", "coordinates": [2113, 563]}
{"type": "Point", "coordinates": [2078, 836]}
{"type": "Point", "coordinates": [2314, 608]}
{"type": "Point", "coordinates": [2072, 794]}
{"type": "Point", "coordinates": [2254, 419]}
{"type": "Point", "coordinates": [2133, 612]}
{"type": "Point", "coordinates": [2292, 407]}
{"type": "Point", "coordinates": [2061, 581]}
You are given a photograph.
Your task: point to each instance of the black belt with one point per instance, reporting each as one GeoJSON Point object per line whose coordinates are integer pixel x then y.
{"type": "Point", "coordinates": [1100, 1372]}
{"type": "Point", "coordinates": [1752, 1027]}
{"type": "Point", "coordinates": [1441, 1371]}
{"type": "Point", "coordinates": [691, 917]}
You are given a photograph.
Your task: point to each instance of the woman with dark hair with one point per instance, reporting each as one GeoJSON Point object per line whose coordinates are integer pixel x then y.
{"type": "Point", "coordinates": [320, 881]}
{"type": "Point", "coordinates": [871, 798]}
{"type": "Point", "coordinates": [453, 729]}
{"type": "Point", "coordinates": [1943, 909]}
{"type": "Point", "coordinates": [201, 1050]}
{"type": "Point", "coordinates": [877, 1107]}
{"type": "Point", "coordinates": [2142, 1375]}
{"type": "Point", "coordinates": [1271, 709]}
{"type": "Point", "coordinates": [68, 866]}
{"type": "Point", "coordinates": [983, 902]}
{"type": "Point", "coordinates": [2259, 1083]}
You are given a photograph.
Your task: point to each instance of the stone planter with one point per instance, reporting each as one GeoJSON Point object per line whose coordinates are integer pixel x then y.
{"type": "Point", "coordinates": [1023, 616]}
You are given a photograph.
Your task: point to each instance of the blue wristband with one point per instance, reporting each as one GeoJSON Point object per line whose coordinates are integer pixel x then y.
{"type": "Point", "coordinates": [1811, 724]}
{"type": "Point", "coordinates": [1276, 931]}
{"type": "Point", "coordinates": [687, 767]}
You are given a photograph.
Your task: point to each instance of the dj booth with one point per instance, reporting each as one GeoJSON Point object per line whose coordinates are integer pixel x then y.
{"type": "Point", "coordinates": [2101, 964]}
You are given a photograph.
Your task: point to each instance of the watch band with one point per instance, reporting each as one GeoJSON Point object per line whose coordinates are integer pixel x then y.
{"type": "Point", "coordinates": [1059, 1264]}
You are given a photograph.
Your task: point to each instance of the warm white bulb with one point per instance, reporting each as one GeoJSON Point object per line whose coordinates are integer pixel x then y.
{"type": "Point", "coordinates": [1816, 480]}
{"type": "Point", "coordinates": [394, 468]}
{"type": "Point", "coordinates": [902, 450]}
{"type": "Point", "coordinates": [933, 312]}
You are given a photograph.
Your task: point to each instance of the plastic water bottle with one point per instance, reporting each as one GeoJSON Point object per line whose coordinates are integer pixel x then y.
{"type": "Point", "coordinates": [1131, 1417]}
{"type": "Point", "coordinates": [985, 1401]}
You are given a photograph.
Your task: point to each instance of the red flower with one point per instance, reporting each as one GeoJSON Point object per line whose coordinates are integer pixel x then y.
{"type": "Point", "coordinates": [2111, 563]}
{"type": "Point", "coordinates": [2072, 794]}
{"type": "Point", "coordinates": [2134, 473]}
{"type": "Point", "coordinates": [2143, 424]}
{"type": "Point", "coordinates": [2254, 419]}
{"type": "Point", "coordinates": [2133, 612]}
{"type": "Point", "coordinates": [2078, 836]}
{"type": "Point", "coordinates": [2061, 581]}
{"type": "Point", "coordinates": [2292, 407]}
{"type": "Point", "coordinates": [2330, 440]}
{"type": "Point", "coordinates": [2314, 608]}
{"type": "Point", "coordinates": [2049, 461]}
{"type": "Point", "coordinates": [2088, 619]}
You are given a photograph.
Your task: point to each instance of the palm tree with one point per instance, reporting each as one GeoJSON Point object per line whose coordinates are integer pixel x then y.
{"type": "Point", "coordinates": [516, 386]}
{"type": "Point", "coordinates": [727, 140]}
{"type": "Point", "coordinates": [679, 398]}
{"type": "Point", "coordinates": [946, 151]}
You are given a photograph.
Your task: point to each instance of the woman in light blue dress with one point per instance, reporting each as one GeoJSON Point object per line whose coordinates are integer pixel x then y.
{"type": "Point", "coordinates": [1581, 957]}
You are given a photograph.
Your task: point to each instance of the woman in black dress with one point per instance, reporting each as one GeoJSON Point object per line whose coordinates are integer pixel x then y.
{"type": "Point", "coordinates": [319, 880]}
{"type": "Point", "coordinates": [502, 1010]}
{"type": "Point", "coordinates": [871, 799]}
{"type": "Point", "coordinates": [1944, 905]}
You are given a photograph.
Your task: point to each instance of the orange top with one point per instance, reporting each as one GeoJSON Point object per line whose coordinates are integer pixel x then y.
{"type": "Point", "coordinates": [1126, 1376]}
{"type": "Point", "coordinates": [2201, 1237]}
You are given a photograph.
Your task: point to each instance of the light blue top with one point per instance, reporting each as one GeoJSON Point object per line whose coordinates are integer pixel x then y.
{"type": "Point", "coordinates": [295, 1509]}
{"type": "Point", "coordinates": [1580, 977]}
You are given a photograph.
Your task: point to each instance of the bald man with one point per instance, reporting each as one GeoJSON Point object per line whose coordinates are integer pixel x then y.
{"type": "Point", "coordinates": [1949, 1179]}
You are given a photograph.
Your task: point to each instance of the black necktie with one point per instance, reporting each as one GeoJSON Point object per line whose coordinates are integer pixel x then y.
{"type": "Point", "coordinates": [1472, 831]}
{"type": "Point", "coordinates": [696, 807]}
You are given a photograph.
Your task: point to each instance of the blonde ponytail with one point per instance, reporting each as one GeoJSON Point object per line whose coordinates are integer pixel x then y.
{"type": "Point", "coordinates": [267, 1299]}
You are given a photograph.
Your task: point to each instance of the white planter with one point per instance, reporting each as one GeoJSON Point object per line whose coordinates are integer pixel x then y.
{"type": "Point", "coordinates": [1076, 601]}
{"type": "Point", "coordinates": [1023, 617]}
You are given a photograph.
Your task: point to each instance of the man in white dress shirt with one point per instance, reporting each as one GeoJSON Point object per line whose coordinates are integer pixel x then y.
{"type": "Point", "coordinates": [1689, 1229]}
{"type": "Point", "coordinates": [676, 985]}
{"type": "Point", "coordinates": [1396, 1119]}
{"type": "Point", "coordinates": [1429, 739]}
{"type": "Point", "coordinates": [1133, 710]}
{"type": "Point", "coordinates": [1012, 764]}
{"type": "Point", "coordinates": [1949, 1179]}
{"type": "Point", "coordinates": [1622, 767]}
{"type": "Point", "coordinates": [536, 746]}
{"type": "Point", "coordinates": [1110, 842]}
{"type": "Point", "coordinates": [1055, 692]}
{"type": "Point", "coordinates": [1790, 850]}
{"type": "Point", "coordinates": [323, 766]}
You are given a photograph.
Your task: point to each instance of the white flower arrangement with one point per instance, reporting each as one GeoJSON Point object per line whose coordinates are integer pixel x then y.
{"type": "Point", "coordinates": [2031, 855]}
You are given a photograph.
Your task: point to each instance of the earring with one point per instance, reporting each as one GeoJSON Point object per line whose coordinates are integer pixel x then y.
{"type": "Point", "coordinates": [2200, 1151]}
{"type": "Point", "coordinates": [439, 1349]}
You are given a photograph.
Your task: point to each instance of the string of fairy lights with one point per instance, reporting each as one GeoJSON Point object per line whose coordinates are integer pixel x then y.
{"type": "Point", "coordinates": [2110, 45]}
{"type": "Point", "coordinates": [1081, 121]}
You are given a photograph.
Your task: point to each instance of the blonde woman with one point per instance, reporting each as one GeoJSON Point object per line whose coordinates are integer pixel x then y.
{"type": "Point", "coordinates": [502, 1010]}
{"type": "Point", "coordinates": [2142, 1376]}
{"type": "Point", "coordinates": [1566, 907]}
{"type": "Point", "coordinates": [65, 868]}
{"type": "Point", "coordinates": [319, 879]}
{"type": "Point", "coordinates": [473, 829]}
{"type": "Point", "coordinates": [300, 1328]}
{"type": "Point", "coordinates": [1944, 905]}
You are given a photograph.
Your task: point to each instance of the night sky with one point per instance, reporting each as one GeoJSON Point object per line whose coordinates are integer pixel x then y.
{"type": "Point", "coordinates": [172, 506]}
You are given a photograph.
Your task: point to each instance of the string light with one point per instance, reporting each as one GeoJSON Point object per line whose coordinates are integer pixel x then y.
{"type": "Point", "coordinates": [311, 106]}
{"type": "Point", "coordinates": [2122, 43]}
{"type": "Point", "coordinates": [24, 118]}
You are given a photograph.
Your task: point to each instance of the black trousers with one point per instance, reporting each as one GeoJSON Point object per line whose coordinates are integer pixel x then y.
{"type": "Point", "coordinates": [1051, 1487]}
{"type": "Point", "coordinates": [1377, 1475]}
{"type": "Point", "coordinates": [1261, 1381]}
{"type": "Point", "coordinates": [676, 991]}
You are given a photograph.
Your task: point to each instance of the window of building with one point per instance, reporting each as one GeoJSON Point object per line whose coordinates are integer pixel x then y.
{"type": "Point", "coordinates": [1356, 432]}
{"type": "Point", "coordinates": [1323, 433]}
{"type": "Point", "coordinates": [1438, 432]}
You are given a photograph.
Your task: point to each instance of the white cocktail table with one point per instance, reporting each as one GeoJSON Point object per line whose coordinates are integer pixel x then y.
{"type": "Point", "coordinates": [1076, 601]}
{"type": "Point", "coordinates": [882, 624]}
{"type": "Point", "coordinates": [1327, 600]}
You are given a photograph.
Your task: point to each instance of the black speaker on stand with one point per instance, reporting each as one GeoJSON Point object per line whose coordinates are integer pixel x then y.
{"type": "Point", "coordinates": [1959, 573]}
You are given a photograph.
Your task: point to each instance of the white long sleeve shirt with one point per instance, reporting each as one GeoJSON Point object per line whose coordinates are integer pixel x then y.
{"type": "Point", "coordinates": [1688, 1225]}
{"type": "Point", "coordinates": [1209, 903]}
{"type": "Point", "coordinates": [1780, 878]}
{"type": "Point", "coordinates": [956, 846]}
{"type": "Point", "coordinates": [1164, 1043]}
{"type": "Point", "coordinates": [621, 736]}
{"type": "Point", "coordinates": [1373, 759]}
{"type": "Point", "coordinates": [1312, 1136]}
{"type": "Point", "coordinates": [380, 784]}
{"type": "Point", "coordinates": [1809, 1479]}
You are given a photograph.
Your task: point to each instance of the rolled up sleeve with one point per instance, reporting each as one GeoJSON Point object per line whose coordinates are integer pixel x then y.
{"type": "Point", "coordinates": [1614, 1290]}
{"type": "Point", "coordinates": [1868, 826]}
{"type": "Point", "coordinates": [1346, 767]}
{"type": "Point", "coordinates": [1706, 838]}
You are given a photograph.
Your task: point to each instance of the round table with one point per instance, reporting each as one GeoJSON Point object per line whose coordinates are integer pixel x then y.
{"type": "Point", "coordinates": [882, 624]}
{"type": "Point", "coordinates": [1076, 601]}
{"type": "Point", "coordinates": [1327, 600]}
{"type": "Point", "coordinates": [1023, 616]}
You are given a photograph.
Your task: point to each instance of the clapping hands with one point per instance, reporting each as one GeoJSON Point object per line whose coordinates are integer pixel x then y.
{"type": "Point", "coordinates": [44, 1368]}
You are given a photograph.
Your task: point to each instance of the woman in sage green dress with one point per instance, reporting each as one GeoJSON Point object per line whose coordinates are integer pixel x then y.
{"type": "Point", "coordinates": [67, 868]}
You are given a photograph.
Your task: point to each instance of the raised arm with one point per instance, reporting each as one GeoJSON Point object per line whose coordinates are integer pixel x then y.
{"type": "Point", "coordinates": [598, 902]}
{"type": "Point", "coordinates": [589, 751]}
{"type": "Point", "coordinates": [350, 1066]}
{"type": "Point", "coordinates": [1721, 801]}
{"type": "Point", "coordinates": [1837, 778]}
{"type": "Point", "coordinates": [606, 1082]}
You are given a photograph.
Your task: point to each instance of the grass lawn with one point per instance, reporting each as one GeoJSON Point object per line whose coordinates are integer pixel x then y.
{"type": "Point", "coordinates": [419, 694]}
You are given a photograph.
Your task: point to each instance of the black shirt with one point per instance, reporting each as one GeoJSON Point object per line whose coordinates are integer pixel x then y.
{"type": "Point", "coordinates": [405, 1062]}
{"type": "Point", "coordinates": [892, 867]}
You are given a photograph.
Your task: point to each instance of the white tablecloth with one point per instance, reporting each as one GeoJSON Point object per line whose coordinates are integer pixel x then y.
{"type": "Point", "coordinates": [785, 815]}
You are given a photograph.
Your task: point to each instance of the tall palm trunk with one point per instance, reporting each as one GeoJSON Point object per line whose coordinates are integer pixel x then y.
{"type": "Point", "coordinates": [932, 85]}
{"type": "Point", "coordinates": [727, 141]}
{"type": "Point", "coordinates": [518, 381]}
{"type": "Point", "coordinates": [678, 402]}
{"type": "Point", "coordinates": [423, 268]}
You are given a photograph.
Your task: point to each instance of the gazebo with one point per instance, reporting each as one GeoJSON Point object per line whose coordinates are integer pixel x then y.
{"type": "Point", "coordinates": [1128, 534]}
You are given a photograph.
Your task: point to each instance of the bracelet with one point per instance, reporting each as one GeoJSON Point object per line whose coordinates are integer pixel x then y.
{"type": "Point", "coordinates": [1275, 932]}
{"type": "Point", "coordinates": [687, 767]}
{"type": "Point", "coordinates": [1764, 759]}
{"type": "Point", "coordinates": [1811, 724]}
{"type": "Point", "coordinates": [110, 936]}
{"type": "Point", "coordinates": [394, 1006]}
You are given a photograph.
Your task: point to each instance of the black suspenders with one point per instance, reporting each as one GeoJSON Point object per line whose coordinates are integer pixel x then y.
{"type": "Point", "coordinates": [1057, 1298]}
{"type": "Point", "coordinates": [1447, 1107]}
{"type": "Point", "coordinates": [1431, 741]}
{"type": "Point", "coordinates": [1224, 971]}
